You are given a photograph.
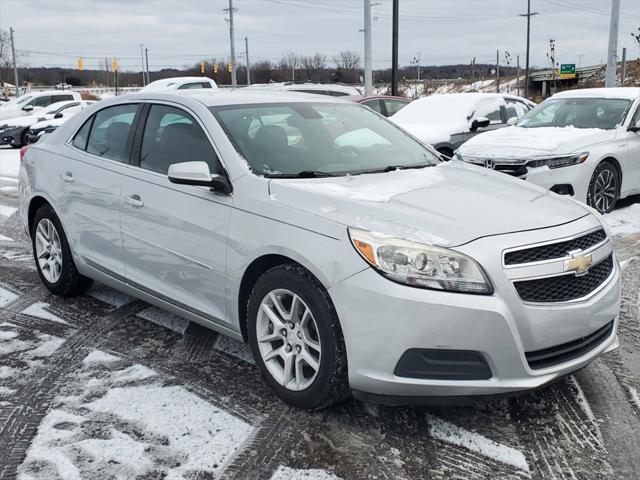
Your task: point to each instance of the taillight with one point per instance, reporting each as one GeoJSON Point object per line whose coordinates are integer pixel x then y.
{"type": "Point", "coordinates": [23, 150]}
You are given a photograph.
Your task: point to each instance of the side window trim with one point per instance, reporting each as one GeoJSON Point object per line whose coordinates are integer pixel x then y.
{"type": "Point", "coordinates": [86, 140]}
{"type": "Point", "coordinates": [140, 127]}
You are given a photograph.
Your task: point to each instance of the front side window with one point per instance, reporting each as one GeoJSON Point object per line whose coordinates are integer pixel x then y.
{"type": "Point", "coordinates": [373, 105]}
{"type": "Point", "coordinates": [43, 101]}
{"type": "Point", "coordinates": [293, 139]}
{"type": "Point", "coordinates": [110, 132]}
{"type": "Point", "coordinates": [490, 110]}
{"type": "Point", "coordinates": [604, 113]}
{"type": "Point", "coordinates": [171, 135]}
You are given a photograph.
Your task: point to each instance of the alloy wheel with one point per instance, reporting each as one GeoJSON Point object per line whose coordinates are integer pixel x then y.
{"type": "Point", "coordinates": [605, 189]}
{"type": "Point", "coordinates": [48, 250]}
{"type": "Point", "coordinates": [288, 339]}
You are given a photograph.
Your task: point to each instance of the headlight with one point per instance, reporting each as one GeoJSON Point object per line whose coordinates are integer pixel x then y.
{"type": "Point", "coordinates": [421, 265]}
{"type": "Point", "coordinates": [559, 162]}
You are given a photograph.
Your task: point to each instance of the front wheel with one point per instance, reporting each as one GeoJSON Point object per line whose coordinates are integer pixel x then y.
{"type": "Point", "coordinates": [53, 257]}
{"type": "Point", "coordinates": [604, 188]}
{"type": "Point", "coordinates": [295, 338]}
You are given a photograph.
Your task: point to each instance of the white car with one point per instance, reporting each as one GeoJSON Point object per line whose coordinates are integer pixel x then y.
{"type": "Point", "coordinates": [583, 143]}
{"type": "Point", "coordinates": [180, 83]}
{"type": "Point", "coordinates": [14, 131]}
{"type": "Point", "coordinates": [447, 121]}
{"type": "Point", "coordinates": [27, 104]}
{"type": "Point", "coordinates": [48, 125]}
{"type": "Point", "coordinates": [329, 89]}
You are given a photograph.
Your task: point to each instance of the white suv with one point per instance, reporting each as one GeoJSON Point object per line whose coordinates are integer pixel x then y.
{"type": "Point", "coordinates": [583, 143]}
{"type": "Point", "coordinates": [29, 103]}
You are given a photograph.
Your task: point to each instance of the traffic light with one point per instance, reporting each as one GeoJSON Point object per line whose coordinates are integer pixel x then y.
{"type": "Point", "coordinates": [81, 64]}
{"type": "Point", "coordinates": [229, 67]}
{"type": "Point", "coordinates": [215, 68]}
{"type": "Point", "coordinates": [201, 67]}
{"type": "Point", "coordinates": [114, 65]}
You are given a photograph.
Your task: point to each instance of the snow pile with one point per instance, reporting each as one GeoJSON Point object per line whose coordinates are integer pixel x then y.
{"type": "Point", "coordinates": [624, 221]}
{"type": "Point", "coordinates": [362, 188]}
{"type": "Point", "coordinates": [128, 422]}
{"type": "Point", "coordinates": [9, 163]}
{"type": "Point", "coordinates": [450, 433]}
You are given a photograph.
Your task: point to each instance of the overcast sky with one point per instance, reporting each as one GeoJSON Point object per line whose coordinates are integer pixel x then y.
{"type": "Point", "coordinates": [180, 32]}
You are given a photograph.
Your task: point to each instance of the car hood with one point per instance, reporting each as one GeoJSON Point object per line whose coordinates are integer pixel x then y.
{"type": "Point", "coordinates": [519, 142]}
{"type": "Point", "coordinates": [447, 205]}
{"type": "Point", "coordinates": [432, 134]}
{"type": "Point", "coordinates": [8, 113]}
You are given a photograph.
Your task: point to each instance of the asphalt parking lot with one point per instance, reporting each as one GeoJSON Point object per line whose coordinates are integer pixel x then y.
{"type": "Point", "coordinates": [105, 386]}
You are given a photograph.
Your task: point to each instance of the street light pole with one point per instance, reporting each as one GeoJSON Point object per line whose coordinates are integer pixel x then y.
{"type": "Point", "coordinates": [246, 57]}
{"type": "Point", "coordinates": [612, 56]}
{"type": "Point", "coordinates": [394, 51]}
{"type": "Point", "coordinates": [142, 63]}
{"type": "Point", "coordinates": [368, 68]}
{"type": "Point", "coordinates": [234, 82]}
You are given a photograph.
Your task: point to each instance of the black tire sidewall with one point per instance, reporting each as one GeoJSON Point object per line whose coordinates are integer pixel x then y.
{"type": "Point", "coordinates": [326, 320]}
{"type": "Point", "coordinates": [592, 184]}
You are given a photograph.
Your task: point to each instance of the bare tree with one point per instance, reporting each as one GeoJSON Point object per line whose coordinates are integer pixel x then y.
{"type": "Point", "coordinates": [6, 62]}
{"type": "Point", "coordinates": [315, 66]}
{"type": "Point", "coordinates": [347, 60]}
{"type": "Point", "coordinates": [290, 61]}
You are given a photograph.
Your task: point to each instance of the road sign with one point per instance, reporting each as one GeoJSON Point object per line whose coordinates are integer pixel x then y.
{"type": "Point", "coordinates": [568, 70]}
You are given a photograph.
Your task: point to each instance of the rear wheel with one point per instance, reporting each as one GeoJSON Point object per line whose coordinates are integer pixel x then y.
{"type": "Point", "coordinates": [604, 188]}
{"type": "Point", "coordinates": [53, 257]}
{"type": "Point", "coordinates": [296, 338]}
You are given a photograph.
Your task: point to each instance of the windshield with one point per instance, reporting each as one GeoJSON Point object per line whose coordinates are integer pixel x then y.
{"type": "Point", "coordinates": [17, 101]}
{"type": "Point", "coordinates": [605, 113]}
{"type": "Point", "coordinates": [316, 139]}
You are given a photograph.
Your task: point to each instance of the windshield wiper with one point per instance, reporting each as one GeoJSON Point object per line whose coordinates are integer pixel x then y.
{"type": "Point", "coordinates": [313, 174]}
{"type": "Point", "coordinates": [391, 168]}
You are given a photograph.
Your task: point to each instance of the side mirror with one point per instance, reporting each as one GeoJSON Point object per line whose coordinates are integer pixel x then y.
{"type": "Point", "coordinates": [479, 122]}
{"type": "Point", "coordinates": [58, 115]}
{"type": "Point", "coordinates": [512, 121]}
{"type": "Point", "coordinates": [634, 128]}
{"type": "Point", "coordinates": [197, 173]}
{"type": "Point", "coordinates": [28, 108]}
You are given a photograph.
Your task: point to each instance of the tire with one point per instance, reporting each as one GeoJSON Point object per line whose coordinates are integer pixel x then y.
{"type": "Point", "coordinates": [23, 137]}
{"type": "Point", "coordinates": [60, 276]}
{"type": "Point", "coordinates": [446, 152]}
{"type": "Point", "coordinates": [604, 188]}
{"type": "Point", "coordinates": [305, 389]}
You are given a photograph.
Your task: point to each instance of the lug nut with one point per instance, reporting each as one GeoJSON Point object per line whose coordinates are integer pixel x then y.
{"type": "Point", "coordinates": [300, 335]}
{"type": "Point", "coordinates": [287, 348]}
{"type": "Point", "coordinates": [291, 325]}
{"type": "Point", "coordinates": [298, 349]}
{"type": "Point", "coordinates": [283, 332]}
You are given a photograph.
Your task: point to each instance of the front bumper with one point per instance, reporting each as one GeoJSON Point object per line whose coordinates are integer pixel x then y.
{"type": "Point", "coordinates": [12, 136]}
{"type": "Point", "coordinates": [381, 320]}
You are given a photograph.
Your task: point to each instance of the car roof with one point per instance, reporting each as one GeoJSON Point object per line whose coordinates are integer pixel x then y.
{"type": "Point", "coordinates": [163, 82]}
{"type": "Point", "coordinates": [242, 96]}
{"type": "Point", "coordinates": [629, 93]}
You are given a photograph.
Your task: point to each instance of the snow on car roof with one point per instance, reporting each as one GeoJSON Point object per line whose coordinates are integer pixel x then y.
{"type": "Point", "coordinates": [165, 82]}
{"type": "Point", "coordinates": [630, 93]}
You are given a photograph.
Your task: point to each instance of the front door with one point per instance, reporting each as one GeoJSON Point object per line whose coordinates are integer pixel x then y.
{"type": "Point", "coordinates": [631, 180]}
{"type": "Point", "coordinates": [175, 236]}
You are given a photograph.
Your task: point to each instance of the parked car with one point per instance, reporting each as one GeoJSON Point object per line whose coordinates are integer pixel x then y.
{"type": "Point", "coordinates": [180, 83]}
{"type": "Point", "coordinates": [386, 105]}
{"type": "Point", "coordinates": [14, 131]}
{"type": "Point", "coordinates": [328, 89]}
{"type": "Point", "coordinates": [43, 127]}
{"type": "Point", "coordinates": [583, 143]}
{"type": "Point", "coordinates": [347, 266]}
{"type": "Point", "coordinates": [29, 103]}
{"type": "Point", "coordinates": [447, 121]}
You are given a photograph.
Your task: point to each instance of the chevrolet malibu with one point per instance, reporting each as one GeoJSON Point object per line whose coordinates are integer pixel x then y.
{"type": "Point", "coordinates": [346, 253]}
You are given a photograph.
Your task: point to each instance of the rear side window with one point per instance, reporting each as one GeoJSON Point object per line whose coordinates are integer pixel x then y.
{"type": "Point", "coordinates": [394, 106]}
{"type": "Point", "coordinates": [189, 86]}
{"type": "Point", "coordinates": [171, 135]}
{"type": "Point", "coordinates": [61, 98]}
{"type": "Point", "coordinates": [373, 105]}
{"type": "Point", "coordinates": [80, 140]}
{"type": "Point", "coordinates": [110, 132]}
{"type": "Point", "coordinates": [43, 101]}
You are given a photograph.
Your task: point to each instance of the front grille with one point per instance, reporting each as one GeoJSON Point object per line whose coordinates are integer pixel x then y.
{"type": "Point", "coordinates": [568, 351]}
{"type": "Point", "coordinates": [565, 288]}
{"type": "Point", "coordinates": [554, 250]}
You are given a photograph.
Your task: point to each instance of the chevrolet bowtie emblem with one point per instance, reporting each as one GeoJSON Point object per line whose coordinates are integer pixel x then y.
{"type": "Point", "coordinates": [579, 263]}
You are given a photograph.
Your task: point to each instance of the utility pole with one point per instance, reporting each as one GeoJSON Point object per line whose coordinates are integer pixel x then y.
{"type": "Point", "coordinates": [146, 59]}
{"type": "Point", "coordinates": [234, 82]}
{"type": "Point", "coordinates": [15, 65]}
{"type": "Point", "coordinates": [497, 71]}
{"type": "Point", "coordinates": [106, 72]}
{"type": "Point", "coordinates": [526, 66]}
{"type": "Point", "coordinates": [580, 55]}
{"type": "Point", "coordinates": [610, 77]}
{"type": "Point", "coordinates": [142, 63]}
{"type": "Point", "coordinates": [518, 75]}
{"type": "Point", "coordinates": [246, 56]}
{"type": "Point", "coordinates": [624, 66]}
{"type": "Point", "coordinates": [368, 68]}
{"type": "Point", "coordinates": [394, 50]}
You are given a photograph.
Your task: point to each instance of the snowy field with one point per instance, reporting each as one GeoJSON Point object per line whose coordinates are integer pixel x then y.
{"type": "Point", "coordinates": [105, 386]}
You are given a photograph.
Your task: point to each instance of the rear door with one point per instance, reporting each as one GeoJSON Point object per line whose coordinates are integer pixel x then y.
{"type": "Point", "coordinates": [175, 236]}
{"type": "Point", "coordinates": [89, 178]}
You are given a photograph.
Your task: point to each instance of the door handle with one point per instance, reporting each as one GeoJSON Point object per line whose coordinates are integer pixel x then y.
{"type": "Point", "coordinates": [67, 176]}
{"type": "Point", "coordinates": [135, 201]}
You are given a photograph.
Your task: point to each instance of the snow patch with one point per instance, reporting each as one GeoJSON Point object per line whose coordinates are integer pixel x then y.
{"type": "Point", "coordinates": [39, 310]}
{"type": "Point", "coordinates": [286, 473]}
{"type": "Point", "coordinates": [98, 356]}
{"type": "Point", "coordinates": [624, 221]}
{"type": "Point", "coordinates": [7, 211]}
{"type": "Point", "coordinates": [5, 239]}
{"type": "Point", "coordinates": [235, 348]}
{"type": "Point", "coordinates": [450, 433]}
{"type": "Point", "coordinates": [635, 398]}
{"type": "Point", "coordinates": [8, 188]}
{"type": "Point", "coordinates": [6, 336]}
{"type": "Point", "coordinates": [6, 372]}
{"type": "Point", "coordinates": [9, 162]}
{"type": "Point", "coordinates": [110, 296]}
{"type": "Point", "coordinates": [165, 319]}
{"type": "Point", "coordinates": [6, 296]}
